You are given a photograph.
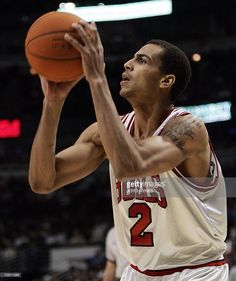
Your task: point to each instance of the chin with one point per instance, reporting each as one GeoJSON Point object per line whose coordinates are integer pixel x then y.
{"type": "Point", "coordinates": [124, 93]}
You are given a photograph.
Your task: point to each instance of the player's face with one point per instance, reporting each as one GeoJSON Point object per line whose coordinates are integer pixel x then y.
{"type": "Point", "coordinates": [142, 75]}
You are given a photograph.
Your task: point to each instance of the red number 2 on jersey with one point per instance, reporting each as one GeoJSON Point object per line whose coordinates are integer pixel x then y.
{"type": "Point", "coordinates": [138, 236]}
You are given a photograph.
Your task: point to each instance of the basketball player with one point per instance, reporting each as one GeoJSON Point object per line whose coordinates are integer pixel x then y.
{"type": "Point", "coordinates": [115, 262]}
{"type": "Point", "coordinates": [168, 192]}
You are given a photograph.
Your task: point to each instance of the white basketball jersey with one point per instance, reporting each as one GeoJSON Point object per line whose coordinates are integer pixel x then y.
{"type": "Point", "coordinates": [166, 221]}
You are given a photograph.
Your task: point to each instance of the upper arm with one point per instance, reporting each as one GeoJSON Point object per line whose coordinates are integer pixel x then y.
{"type": "Point", "coordinates": [80, 159]}
{"type": "Point", "coordinates": [182, 138]}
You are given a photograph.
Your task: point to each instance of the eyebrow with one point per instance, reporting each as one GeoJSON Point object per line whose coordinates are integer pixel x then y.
{"type": "Point", "coordinates": [143, 55]}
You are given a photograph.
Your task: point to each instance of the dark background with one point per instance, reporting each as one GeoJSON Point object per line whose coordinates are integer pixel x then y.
{"type": "Point", "coordinates": [207, 27]}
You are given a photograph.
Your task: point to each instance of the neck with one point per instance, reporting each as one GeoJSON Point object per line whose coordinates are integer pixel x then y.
{"type": "Point", "coordinates": [149, 117]}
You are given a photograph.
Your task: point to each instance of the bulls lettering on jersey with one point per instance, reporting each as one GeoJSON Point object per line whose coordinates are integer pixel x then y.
{"type": "Point", "coordinates": [141, 189]}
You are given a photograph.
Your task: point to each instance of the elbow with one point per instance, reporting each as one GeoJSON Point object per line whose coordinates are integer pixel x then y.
{"type": "Point", "coordinates": [40, 187]}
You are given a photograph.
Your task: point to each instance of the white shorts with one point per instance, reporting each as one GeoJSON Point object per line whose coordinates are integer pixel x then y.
{"type": "Point", "coordinates": [208, 273]}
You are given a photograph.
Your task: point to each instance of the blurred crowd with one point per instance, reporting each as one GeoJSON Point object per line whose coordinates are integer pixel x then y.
{"type": "Point", "coordinates": [31, 224]}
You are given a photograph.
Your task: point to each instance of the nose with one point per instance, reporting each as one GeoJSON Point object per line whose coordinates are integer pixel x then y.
{"type": "Point", "coordinates": [128, 65]}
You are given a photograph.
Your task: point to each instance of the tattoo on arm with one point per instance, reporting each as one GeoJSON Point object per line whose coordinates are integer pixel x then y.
{"type": "Point", "coordinates": [179, 133]}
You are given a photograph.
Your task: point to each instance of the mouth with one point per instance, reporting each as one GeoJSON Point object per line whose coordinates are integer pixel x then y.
{"type": "Point", "coordinates": [125, 79]}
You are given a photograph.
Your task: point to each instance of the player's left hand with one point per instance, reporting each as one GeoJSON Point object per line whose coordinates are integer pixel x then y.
{"type": "Point", "coordinates": [90, 47]}
{"type": "Point", "coordinates": [56, 91]}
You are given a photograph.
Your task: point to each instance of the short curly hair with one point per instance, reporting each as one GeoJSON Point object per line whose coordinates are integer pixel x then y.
{"type": "Point", "coordinates": [174, 61]}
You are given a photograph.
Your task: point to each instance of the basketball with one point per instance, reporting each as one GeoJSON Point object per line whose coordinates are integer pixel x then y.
{"type": "Point", "coordinates": [48, 53]}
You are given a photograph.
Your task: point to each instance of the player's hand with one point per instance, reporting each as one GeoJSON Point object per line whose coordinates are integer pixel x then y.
{"type": "Point", "coordinates": [57, 90]}
{"type": "Point", "coordinates": [90, 47]}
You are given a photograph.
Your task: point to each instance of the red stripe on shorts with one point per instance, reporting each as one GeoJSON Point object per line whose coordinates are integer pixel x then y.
{"type": "Point", "coordinates": [177, 269]}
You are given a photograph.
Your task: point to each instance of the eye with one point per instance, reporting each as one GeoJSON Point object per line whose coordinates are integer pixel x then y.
{"type": "Point", "coordinates": [141, 60]}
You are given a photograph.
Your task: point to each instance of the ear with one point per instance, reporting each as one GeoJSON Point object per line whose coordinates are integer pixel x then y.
{"type": "Point", "coordinates": [167, 81]}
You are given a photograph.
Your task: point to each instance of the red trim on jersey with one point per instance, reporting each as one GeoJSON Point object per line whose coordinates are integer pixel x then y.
{"type": "Point", "coordinates": [132, 129]}
{"type": "Point", "coordinates": [177, 269]}
{"type": "Point", "coordinates": [124, 118]}
{"type": "Point", "coordinates": [172, 111]}
{"type": "Point", "coordinates": [130, 123]}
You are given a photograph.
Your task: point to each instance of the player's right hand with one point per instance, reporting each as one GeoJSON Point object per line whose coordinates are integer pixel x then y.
{"type": "Point", "coordinates": [57, 90]}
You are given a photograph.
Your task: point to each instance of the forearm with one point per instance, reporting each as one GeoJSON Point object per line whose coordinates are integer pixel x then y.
{"type": "Point", "coordinates": [42, 171]}
{"type": "Point", "coordinates": [122, 151]}
{"type": "Point", "coordinates": [108, 276]}
{"type": "Point", "coordinates": [120, 148]}
{"type": "Point", "coordinates": [109, 272]}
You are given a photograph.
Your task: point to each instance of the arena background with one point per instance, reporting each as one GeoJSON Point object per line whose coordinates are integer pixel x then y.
{"type": "Point", "coordinates": [60, 236]}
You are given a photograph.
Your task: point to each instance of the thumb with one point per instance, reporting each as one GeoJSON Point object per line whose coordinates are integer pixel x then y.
{"type": "Point", "coordinates": [33, 71]}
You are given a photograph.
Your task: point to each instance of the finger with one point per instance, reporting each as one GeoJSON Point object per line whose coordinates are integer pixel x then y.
{"type": "Point", "coordinates": [75, 43]}
{"type": "Point", "coordinates": [81, 32]}
{"type": "Point", "coordinates": [93, 31]}
{"type": "Point", "coordinates": [100, 45]}
{"type": "Point", "coordinates": [93, 24]}
{"type": "Point", "coordinates": [42, 79]}
{"type": "Point", "coordinates": [33, 71]}
{"type": "Point", "coordinates": [88, 28]}
{"type": "Point", "coordinates": [84, 23]}
{"type": "Point", "coordinates": [97, 33]}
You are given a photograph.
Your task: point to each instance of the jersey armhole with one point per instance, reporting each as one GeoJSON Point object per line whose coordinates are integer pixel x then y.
{"type": "Point", "coordinates": [213, 173]}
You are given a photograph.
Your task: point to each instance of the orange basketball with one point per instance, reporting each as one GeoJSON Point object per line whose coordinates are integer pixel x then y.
{"type": "Point", "coordinates": [47, 51]}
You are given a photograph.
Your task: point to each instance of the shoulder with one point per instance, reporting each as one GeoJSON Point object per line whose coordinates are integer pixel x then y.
{"type": "Point", "coordinates": [187, 125]}
{"type": "Point", "coordinates": [188, 132]}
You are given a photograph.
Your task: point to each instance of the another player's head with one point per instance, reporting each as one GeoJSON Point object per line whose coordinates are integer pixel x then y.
{"type": "Point", "coordinates": [174, 61]}
{"type": "Point", "coordinates": [159, 70]}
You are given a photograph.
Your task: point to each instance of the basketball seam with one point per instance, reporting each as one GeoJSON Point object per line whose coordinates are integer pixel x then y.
{"type": "Point", "coordinates": [48, 33]}
{"type": "Point", "coordinates": [44, 45]}
{"type": "Point", "coordinates": [46, 58]}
